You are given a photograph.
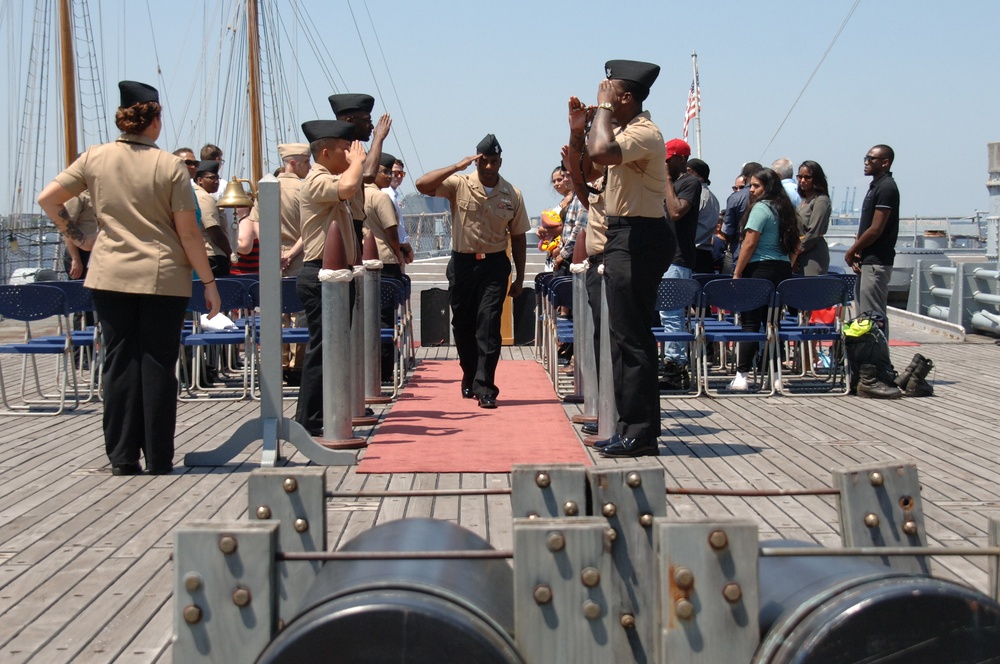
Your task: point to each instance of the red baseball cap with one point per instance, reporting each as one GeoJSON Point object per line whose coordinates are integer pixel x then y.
{"type": "Point", "coordinates": [676, 146]}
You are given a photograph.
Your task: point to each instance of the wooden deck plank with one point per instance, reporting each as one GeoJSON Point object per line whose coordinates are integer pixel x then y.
{"type": "Point", "coordinates": [84, 570]}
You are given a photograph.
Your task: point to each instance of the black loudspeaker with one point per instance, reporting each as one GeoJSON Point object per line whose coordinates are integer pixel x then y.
{"type": "Point", "coordinates": [434, 314]}
{"type": "Point", "coordinates": [524, 317]}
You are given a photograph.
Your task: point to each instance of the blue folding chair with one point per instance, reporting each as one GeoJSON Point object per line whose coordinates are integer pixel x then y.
{"type": "Point", "coordinates": [683, 294]}
{"type": "Point", "coordinates": [290, 334]}
{"type": "Point", "coordinates": [90, 358]}
{"type": "Point", "coordinates": [558, 295]}
{"type": "Point", "coordinates": [808, 294]}
{"type": "Point", "coordinates": [738, 296]}
{"type": "Point", "coordinates": [234, 299]}
{"type": "Point", "coordinates": [33, 302]}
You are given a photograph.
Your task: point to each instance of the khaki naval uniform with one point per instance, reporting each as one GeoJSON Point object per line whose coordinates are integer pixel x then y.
{"type": "Point", "coordinates": [482, 223]}
{"type": "Point", "coordinates": [210, 218]}
{"type": "Point", "coordinates": [141, 281]}
{"type": "Point", "coordinates": [320, 206]}
{"type": "Point", "coordinates": [380, 216]}
{"type": "Point", "coordinates": [640, 245]}
{"type": "Point", "coordinates": [597, 230]}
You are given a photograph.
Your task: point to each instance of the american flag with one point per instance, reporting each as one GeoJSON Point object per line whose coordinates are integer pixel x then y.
{"type": "Point", "coordinates": [694, 105]}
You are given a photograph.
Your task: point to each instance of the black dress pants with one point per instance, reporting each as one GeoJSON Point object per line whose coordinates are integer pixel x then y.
{"type": "Point", "coordinates": [637, 253]}
{"type": "Point", "coordinates": [309, 410]}
{"type": "Point", "coordinates": [477, 289]}
{"type": "Point", "coordinates": [594, 297]}
{"type": "Point", "coordinates": [141, 336]}
{"type": "Point", "coordinates": [388, 315]}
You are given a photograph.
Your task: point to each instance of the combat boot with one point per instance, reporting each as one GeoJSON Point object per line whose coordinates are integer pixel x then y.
{"type": "Point", "coordinates": [903, 378]}
{"type": "Point", "coordinates": [917, 385]}
{"type": "Point", "coordinates": [870, 387]}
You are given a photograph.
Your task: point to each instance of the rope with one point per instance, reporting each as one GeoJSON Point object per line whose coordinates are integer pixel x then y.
{"type": "Point", "coordinates": [809, 80]}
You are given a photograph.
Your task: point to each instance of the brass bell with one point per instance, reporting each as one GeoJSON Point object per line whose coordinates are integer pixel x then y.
{"type": "Point", "coordinates": [235, 196]}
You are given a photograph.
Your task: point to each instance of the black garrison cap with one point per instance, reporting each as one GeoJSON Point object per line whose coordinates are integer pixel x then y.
{"type": "Point", "coordinates": [134, 92]}
{"type": "Point", "coordinates": [316, 130]}
{"type": "Point", "coordinates": [351, 103]}
{"type": "Point", "coordinates": [642, 73]}
{"type": "Point", "coordinates": [387, 160]}
{"type": "Point", "coordinates": [489, 146]}
{"type": "Point", "coordinates": [207, 166]}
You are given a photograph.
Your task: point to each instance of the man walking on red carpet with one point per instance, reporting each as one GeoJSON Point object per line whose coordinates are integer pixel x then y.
{"type": "Point", "coordinates": [486, 210]}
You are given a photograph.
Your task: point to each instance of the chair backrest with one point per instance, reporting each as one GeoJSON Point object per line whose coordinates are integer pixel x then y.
{"type": "Point", "coordinates": [849, 279]}
{"type": "Point", "coordinates": [233, 293]}
{"type": "Point", "coordinates": [78, 299]}
{"type": "Point", "coordinates": [738, 295]}
{"type": "Point", "coordinates": [29, 302]}
{"type": "Point", "coordinates": [391, 293]}
{"type": "Point", "coordinates": [703, 277]}
{"type": "Point", "coordinates": [811, 293]}
{"type": "Point", "coordinates": [677, 294]}
{"type": "Point", "coordinates": [561, 292]}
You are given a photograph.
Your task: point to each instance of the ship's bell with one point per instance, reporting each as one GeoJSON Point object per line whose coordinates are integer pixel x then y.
{"type": "Point", "coordinates": [235, 196]}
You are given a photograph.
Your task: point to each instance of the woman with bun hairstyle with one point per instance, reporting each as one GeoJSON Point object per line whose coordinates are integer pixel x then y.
{"type": "Point", "coordinates": [141, 258]}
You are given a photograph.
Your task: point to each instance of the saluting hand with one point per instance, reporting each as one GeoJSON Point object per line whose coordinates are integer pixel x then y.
{"type": "Point", "coordinates": [212, 299]}
{"type": "Point", "coordinates": [356, 152]}
{"type": "Point", "coordinates": [383, 126]}
{"type": "Point", "coordinates": [606, 93]}
{"type": "Point", "coordinates": [464, 164]}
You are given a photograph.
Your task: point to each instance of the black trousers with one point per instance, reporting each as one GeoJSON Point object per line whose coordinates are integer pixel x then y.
{"type": "Point", "coordinates": [477, 289]}
{"type": "Point", "coordinates": [775, 272]}
{"type": "Point", "coordinates": [220, 265]}
{"type": "Point", "coordinates": [309, 410]}
{"type": "Point", "coordinates": [141, 336]}
{"type": "Point", "coordinates": [636, 255]}
{"type": "Point", "coordinates": [594, 297]}
{"type": "Point", "coordinates": [389, 271]}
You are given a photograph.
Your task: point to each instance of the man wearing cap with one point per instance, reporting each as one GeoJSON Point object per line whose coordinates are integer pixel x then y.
{"type": "Point", "coordinates": [382, 223]}
{"type": "Point", "coordinates": [206, 183]}
{"type": "Point", "coordinates": [334, 178]}
{"type": "Point", "coordinates": [683, 195]}
{"type": "Point", "coordinates": [486, 211]}
{"type": "Point", "coordinates": [640, 243]}
{"type": "Point", "coordinates": [708, 218]}
{"type": "Point", "coordinates": [357, 109]}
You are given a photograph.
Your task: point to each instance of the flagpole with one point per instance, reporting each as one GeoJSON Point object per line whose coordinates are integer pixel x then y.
{"type": "Point", "coordinates": [697, 117]}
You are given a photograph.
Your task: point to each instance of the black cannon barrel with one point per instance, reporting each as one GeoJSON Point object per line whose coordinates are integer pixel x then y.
{"type": "Point", "coordinates": [413, 611]}
{"type": "Point", "coordinates": [835, 610]}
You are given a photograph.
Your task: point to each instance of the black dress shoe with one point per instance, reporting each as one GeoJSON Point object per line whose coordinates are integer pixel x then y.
{"type": "Point", "coordinates": [590, 428]}
{"type": "Point", "coordinates": [467, 393]}
{"type": "Point", "coordinates": [606, 442]}
{"type": "Point", "coordinates": [126, 469]}
{"type": "Point", "coordinates": [487, 401]}
{"type": "Point", "coordinates": [632, 447]}
{"type": "Point", "coordinates": [369, 412]}
{"type": "Point", "coordinates": [160, 470]}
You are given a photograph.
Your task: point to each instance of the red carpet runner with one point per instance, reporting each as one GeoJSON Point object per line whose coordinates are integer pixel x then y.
{"type": "Point", "coordinates": [432, 429]}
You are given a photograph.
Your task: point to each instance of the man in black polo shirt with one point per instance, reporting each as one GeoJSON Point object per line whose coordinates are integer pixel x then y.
{"type": "Point", "coordinates": [871, 256]}
{"type": "Point", "coordinates": [683, 198]}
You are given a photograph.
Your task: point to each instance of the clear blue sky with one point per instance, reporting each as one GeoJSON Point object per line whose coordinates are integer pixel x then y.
{"type": "Point", "coordinates": [913, 74]}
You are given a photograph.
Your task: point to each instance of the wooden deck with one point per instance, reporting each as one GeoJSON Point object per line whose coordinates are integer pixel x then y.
{"type": "Point", "coordinates": [85, 574]}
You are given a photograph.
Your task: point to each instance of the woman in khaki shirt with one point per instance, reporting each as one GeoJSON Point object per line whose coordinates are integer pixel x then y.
{"type": "Point", "coordinates": [140, 274]}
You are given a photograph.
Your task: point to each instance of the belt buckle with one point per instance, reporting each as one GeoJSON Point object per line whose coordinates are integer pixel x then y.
{"type": "Point", "coordinates": [480, 257]}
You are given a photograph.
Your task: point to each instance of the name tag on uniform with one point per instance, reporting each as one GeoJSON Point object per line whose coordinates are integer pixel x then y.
{"type": "Point", "coordinates": [480, 257]}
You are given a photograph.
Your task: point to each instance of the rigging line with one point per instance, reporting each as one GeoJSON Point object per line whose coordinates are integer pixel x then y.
{"type": "Point", "coordinates": [809, 80]}
{"type": "Point", "coordinates": [301, 76]}
{"type": "Point", "coordinates": [312, 24]}
{"type": "Point", "coordinates": [156, 55]}
{"type": "Point", "coordinates": [365, 51]}
{"type": "Point", "coordinates": [392, 83]}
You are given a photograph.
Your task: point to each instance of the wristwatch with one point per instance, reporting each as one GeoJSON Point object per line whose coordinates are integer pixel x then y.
{"type": "Point", "coordinates": [606, 105]}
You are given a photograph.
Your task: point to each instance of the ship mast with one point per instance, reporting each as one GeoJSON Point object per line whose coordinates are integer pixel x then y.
{"type": "Point", "coordinates": [256, 155]}
{"type": "Point", "coordinates": [68, 80]}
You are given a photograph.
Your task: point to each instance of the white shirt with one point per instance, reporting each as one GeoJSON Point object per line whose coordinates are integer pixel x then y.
{"type": "Point", "coordinates": [403, 237]}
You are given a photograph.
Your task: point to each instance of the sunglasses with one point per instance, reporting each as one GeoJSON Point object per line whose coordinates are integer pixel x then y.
{"type": "Point", "coordinates": [869, 158]}
{"type": "Point", "coordinates": [190, 162]}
